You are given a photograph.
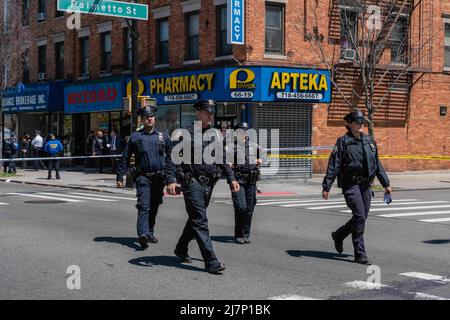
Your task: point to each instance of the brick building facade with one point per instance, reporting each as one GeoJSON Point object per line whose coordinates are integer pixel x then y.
{"type": "Point", "coordinates": [411, 122]}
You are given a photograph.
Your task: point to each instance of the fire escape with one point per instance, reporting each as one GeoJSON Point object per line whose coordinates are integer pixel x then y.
{"type": "Point", "coordinates": [395, 79]}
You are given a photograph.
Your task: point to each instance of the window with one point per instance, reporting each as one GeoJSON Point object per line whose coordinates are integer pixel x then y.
{"type": "Point", "coordinates": [5, 16]}
{"type": "Point", "coordinates": [399, 41]}
{"type": "Point", "coordinates": [349, 27]}
{"type": "Point", "coordinates": [163, 42]}
{"type": "Point", "coordinates": [447, 46]}
{"type": "Point", "coordinates": [25, 12]}
{"type": "Point", "coordinates": [84, 56]}
{"type": "Point", "coordinates": [58, 13]}
{"type": "Point", "coordinates": [106, 52]}
{"type": "Point", "coordinates": [127, 49]}
{"type": "Point", "coordinates": [59, 60]}
{"type": "Point", "coordinates": [42, 10]}
{"type": "Point", "coordinates": [42, 62]}
{"type": "Point", "coordinates": [223, 47]}
{"type": "Point", "coordinates": [192, 45]}
{"type": "Point", "coordinates": [274, 29]}
{"type": "Point", "coordinates": [26, 67]}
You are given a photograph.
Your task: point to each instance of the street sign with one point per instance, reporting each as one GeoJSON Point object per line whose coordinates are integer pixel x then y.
{"type": "Point", "coordinates": [235, 22]}
{"type": "Point", "coordinates": [112, 8]}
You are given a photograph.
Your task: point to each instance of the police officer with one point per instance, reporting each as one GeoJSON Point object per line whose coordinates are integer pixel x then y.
{"type": "Point", "coordinates": [9, 152]}
{"type": "Point", "coordinates": [53, 147]}
{"type": "Point", "coordinates": [355, 163]}
{"type": "Point", "coordinates": [197, 183]}
{"type": "Point", "coordinates": [246, 173]}
{"type": "Point", "coordinates": [154, 169]}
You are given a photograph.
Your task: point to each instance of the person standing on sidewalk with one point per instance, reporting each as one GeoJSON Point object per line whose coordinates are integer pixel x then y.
{"type": "Point", "coordinates": [25, 148]}
{"type": "Point", "coordinates": [98, 149]}
{"type": "Point", "coordinates": [37, 144]}
{"type": "Point", "coordinates": [114, 149]}
{"type": "Point", "coordinates": [246, 173]}
{"type": "Point", "coordinates": [154, 169]}
{"type": "Point", "coordinates": [355, 163]}
{"type": "Point", "coordinates": [9, 152]}
{"type": "Point", "coordinates": [53, 147]}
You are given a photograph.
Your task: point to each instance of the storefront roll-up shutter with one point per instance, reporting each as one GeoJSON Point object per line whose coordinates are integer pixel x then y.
{"type": "Point", "coordinates": [294, 123]}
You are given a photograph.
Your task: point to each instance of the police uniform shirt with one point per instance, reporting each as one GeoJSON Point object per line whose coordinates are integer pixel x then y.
{"type": "Point", "coordinates": [208, 170]}
{"type": "Point", "coordinates": [152, 153]}
{"type": "Point", "coordinates": [250, 149]}
{"type": "Point", "coordinates": [354, 157]}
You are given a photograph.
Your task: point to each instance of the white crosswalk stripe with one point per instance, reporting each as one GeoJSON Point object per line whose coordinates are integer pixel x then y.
{"type": "Point", "coordinates": [411, 207]}
{"type": "Point", "coordinates": [45, 197]}
{"type": "Point", "coordinates": [436, 220]}
{"type": "Point", "coordinates": [3, 204]}
{"type": "Point", "coordinates": [102, 196]}
{"type": "Point", "coordinates": [83, 197]}
{"type": "Point", "coordinates": [73, 197]}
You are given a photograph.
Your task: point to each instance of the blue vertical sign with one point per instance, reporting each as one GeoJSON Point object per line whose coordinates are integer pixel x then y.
{"type": "Point", "coordinates": [235, 21]}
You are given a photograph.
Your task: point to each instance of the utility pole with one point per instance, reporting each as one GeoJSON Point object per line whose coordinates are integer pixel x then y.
{"type": "Point", "coordinates": [134, 81]}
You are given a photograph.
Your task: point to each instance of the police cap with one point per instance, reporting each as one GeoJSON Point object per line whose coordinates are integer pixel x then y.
{"type": "Point", "coordinates": [208, 105]}
{"type": "Point", "coordinates": [243, 125]}
{"type": "Point", "coordinates": [147, 111]}
{"type": "Point", "coordinates": [355, 116]}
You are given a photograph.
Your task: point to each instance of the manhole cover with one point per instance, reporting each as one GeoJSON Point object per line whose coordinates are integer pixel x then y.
{"type": "Point", "coordinates": [45, 201]}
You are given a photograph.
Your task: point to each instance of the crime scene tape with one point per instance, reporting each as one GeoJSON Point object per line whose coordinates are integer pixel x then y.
{"type": "Point", "coordinates": [324, 156]}
{"type": "Point", "coordinates": [61, 158]}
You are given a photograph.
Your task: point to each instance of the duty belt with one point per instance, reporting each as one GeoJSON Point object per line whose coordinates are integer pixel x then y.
{"type": "Point", "coordinates": [250, 177]}
{"type": "Point", "coordinates": [361, 180]}
{"type": "Point", "coordinates": [151, 175]}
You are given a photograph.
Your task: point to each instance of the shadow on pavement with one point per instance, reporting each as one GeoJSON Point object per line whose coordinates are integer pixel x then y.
{"type": "Point", "coordinates": [437, 241]}
{"type": "Point", "coordinates": [224, 239]}
{"type": "Point", "coordinates": [125, 241]}
{"type": "Point", "coordinates": [319, 254]}
{"type": "Point", "coordinates": [167, 261]}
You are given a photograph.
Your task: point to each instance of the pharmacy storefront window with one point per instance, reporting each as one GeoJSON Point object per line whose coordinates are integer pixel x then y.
{"type": "Point", "coordinates": [168, 118]}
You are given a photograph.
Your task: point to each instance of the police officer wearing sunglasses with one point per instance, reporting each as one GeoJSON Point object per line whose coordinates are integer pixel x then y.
{"type": "Point", "coordinates": [355, 163]}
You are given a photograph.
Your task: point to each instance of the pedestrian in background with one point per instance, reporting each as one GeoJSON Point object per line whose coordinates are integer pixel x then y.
{"type": "Point", "coordinates": [53, 148]}
{"type": "Point", "coordinates": [9, 152]}
{"type": "Point", "coordinates": [98, 149]}
{"type": "Point", "coordinates": [37, 144]}
{"type": "Point", "coordinates": [355, 163]}
{"type": "Point", "coordinates": [115, 148]}
{"type": "Point", "coordinates": [25, 144]}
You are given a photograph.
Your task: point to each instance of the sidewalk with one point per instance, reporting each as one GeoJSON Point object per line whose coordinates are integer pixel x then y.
{"type": "Point", "coordinates": [417, 180]}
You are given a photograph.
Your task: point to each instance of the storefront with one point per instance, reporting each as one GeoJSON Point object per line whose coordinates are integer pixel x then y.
{"type": "Point", "coordinates": [94, 106]}
{"type": "Point", "coordinates": [266, 97]}
{"type": "Point", "coordinates": [31, 107]}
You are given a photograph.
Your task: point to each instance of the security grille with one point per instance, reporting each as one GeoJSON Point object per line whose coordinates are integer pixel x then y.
{"type": "Point", "coordinates": [294, 122]}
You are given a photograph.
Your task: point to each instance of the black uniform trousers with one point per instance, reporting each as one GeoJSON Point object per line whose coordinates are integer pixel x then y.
{"type": "Point", "coordinates": [197, 198]}
{"type": "Point", "coordinates": [244, 202]}
{"type": "Point", "coordinates": [53, 164]}
{"type": "Point", "coordinates": [149, 193]}
{"type": "Point", "coordinates": [9, 166]}
{"type": "Point", "coordinates": [358, 198]}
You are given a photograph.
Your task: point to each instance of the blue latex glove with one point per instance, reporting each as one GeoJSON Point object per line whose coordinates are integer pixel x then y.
{"type": "Point", "coordinates": [387, 198]}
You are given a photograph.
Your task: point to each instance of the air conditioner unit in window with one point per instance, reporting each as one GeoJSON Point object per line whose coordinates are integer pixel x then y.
{"type": "Point", "coordinates": [42, 76]}
{"type": "Point", "coordinates": [348, 54]}
{"type": "Point", "coordinates": [42, 16]}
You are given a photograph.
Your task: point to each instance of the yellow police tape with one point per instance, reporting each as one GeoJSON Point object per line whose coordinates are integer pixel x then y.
{"type": "Point", "coordinates": [324, 156]}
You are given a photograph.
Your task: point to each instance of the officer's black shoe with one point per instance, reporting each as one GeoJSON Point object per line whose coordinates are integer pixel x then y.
{"type": "Point", "coordinates": [143, 241]}
{"type": "Point", "coordinates": [152, 239]}
{"type": "Point", "coordinates": [184, 258]}
{"type": "Point", "coordinates": [215, 269]}
{"type": "Point", "coordinates": [239, 240]}
{"type": "Point", "coordinates": [49, 178]}
{"type": "Point", "coordinates": [247, 240]}
{"type": "Point", "coordinates": [362, 260]}
{"type": "Point", "coordinates": [338, 244]}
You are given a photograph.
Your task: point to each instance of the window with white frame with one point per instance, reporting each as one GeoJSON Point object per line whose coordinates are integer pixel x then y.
{"type": "Point", "coordinates": [447, 46]}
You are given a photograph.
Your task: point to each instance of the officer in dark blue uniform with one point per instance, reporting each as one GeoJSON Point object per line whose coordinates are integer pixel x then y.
{"type": "Point", "coordinates": [197, 183]}
{"type": "Point", "coordinates": [154, 169]}
{"type": "Point", "coordinates": [355, 163]}
{"type": "Point", "coordinates": [246, 173]}
{"type": "Point", "coordinates": [9, 152]}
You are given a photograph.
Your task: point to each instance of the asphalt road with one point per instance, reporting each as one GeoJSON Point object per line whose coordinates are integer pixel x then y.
{"type": "Point", "coordinates": [45, 230]}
